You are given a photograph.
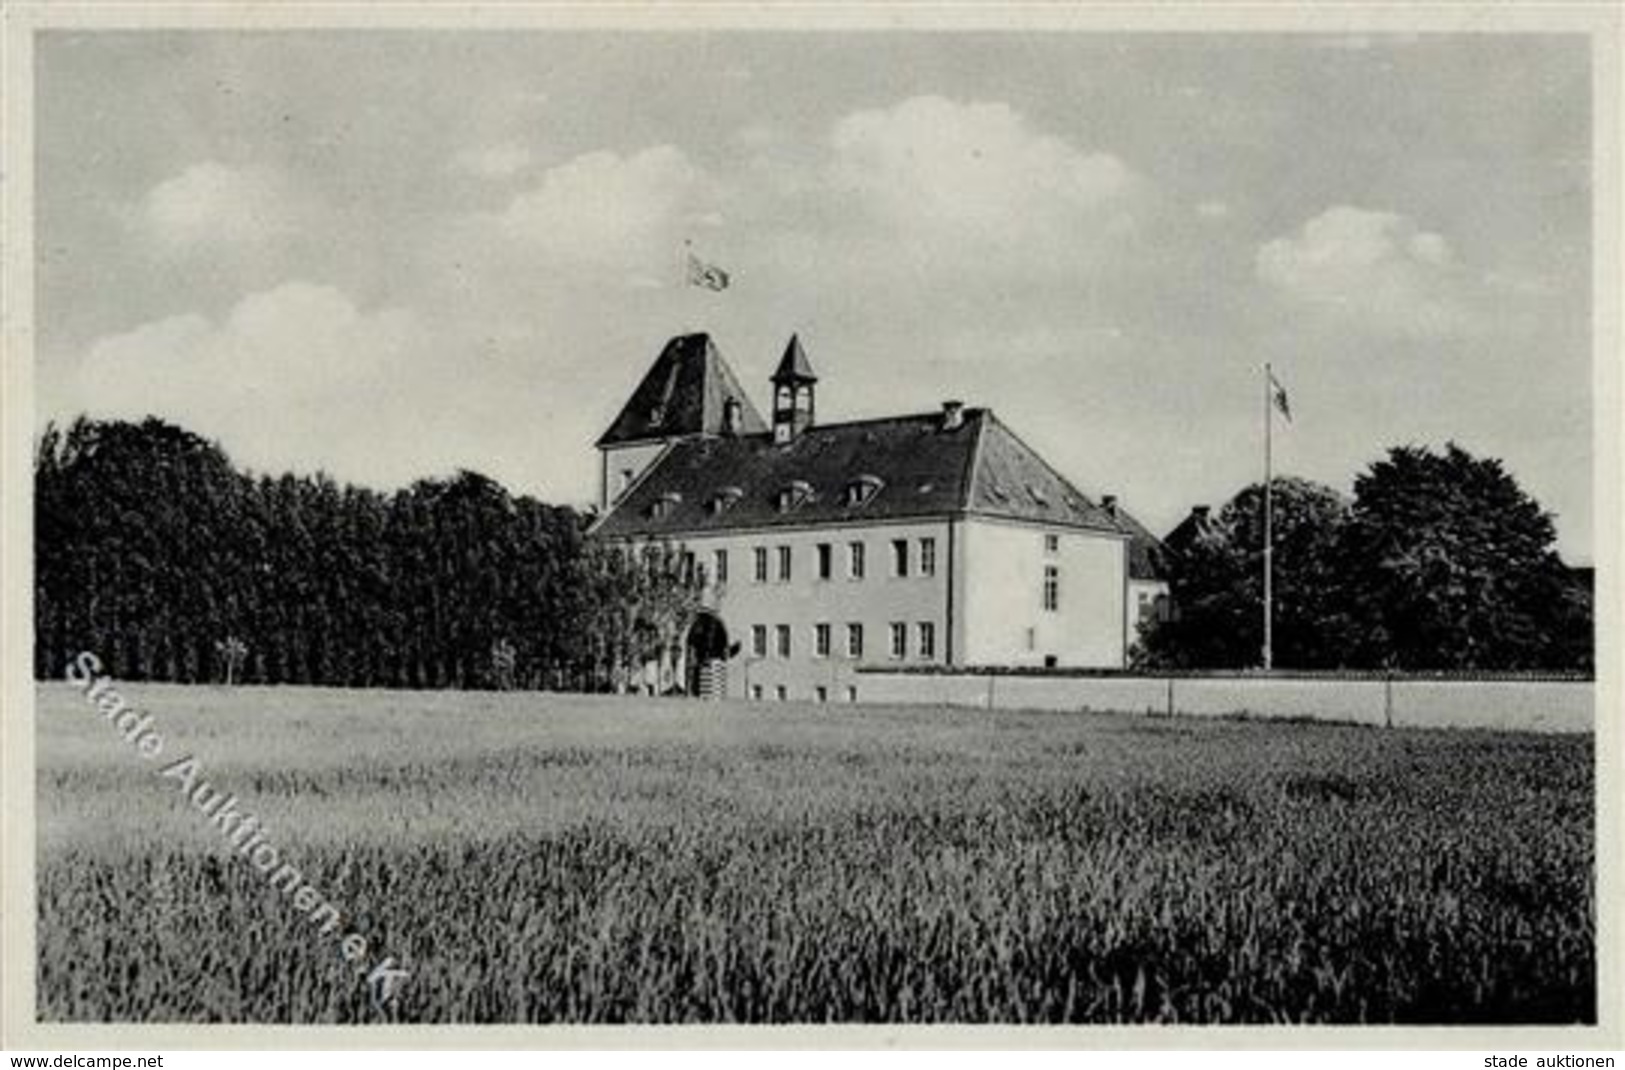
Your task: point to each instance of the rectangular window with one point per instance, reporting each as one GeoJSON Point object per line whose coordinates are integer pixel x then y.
{"type": "Point", "coordinates": [759, 556]}
{"type": "Point", "coordinates": [854, 560]}
{"type": "Point", "coordinates": [784, 564]}
{"type": "Point", "coordinates": [899, 557]}
{"type": "Point", "coordinates": [928, 557]}
{"type": "Point", "coordinates": [1052, 544]}
{"type": "Point", "coordinates": [781, 693]}
{"type": "Point", "coordinates": [1052, 588]}
{"type": "Point", "coordinates": [821, 640]}
{"type": "Point", "coordinates": [720, 570]}
{"type": "Point", "coordinates": [826, 560]}
{"type": "Point", "coordinates": [822, 693]}
{"type": "Point", "coordinates": [784, 640]}
{"type": "Point", "coordinates": [854, 640]}
{"type": "Point", "coordinates": [851, 694]}
{"type": "Point", "coordinates": [756, 692]}
{"type": "Point", "coordinates": [688, 566]}
{"type": "Point", "coordinates": [899, 640]}
{"type": "Point", "coordinates": [928, 640]}
{"type": "Point", "coordinates": [758, 640]}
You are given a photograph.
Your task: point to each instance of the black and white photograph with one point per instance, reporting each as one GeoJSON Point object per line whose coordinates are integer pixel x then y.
{"type": "Point", "coordinates": [773, 523]}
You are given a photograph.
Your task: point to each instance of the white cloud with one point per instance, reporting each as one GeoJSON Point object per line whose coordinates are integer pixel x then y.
{"type": "Point", "coordinates": [1377, 269]}
{"type": "Point", "coordinates": [1213, 210]}
{"type": "Point", "coordinates": [607, 212]}
{"type": "Point", "coordinates": [294, 377]}
{"type": "Point", "coordinates": [212, 204]}
{"type": "Point", "coordinates": [494, 161]}
{"type": "Point", "coordinates": [937, 161]}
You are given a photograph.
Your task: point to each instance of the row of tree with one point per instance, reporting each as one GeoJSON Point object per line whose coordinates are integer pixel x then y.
{"type": "Point", "coordinates": [1440, 561]}
{"type": "Point", "coordinates": [154, 552]}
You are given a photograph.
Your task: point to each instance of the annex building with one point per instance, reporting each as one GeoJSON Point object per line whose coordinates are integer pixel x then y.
{"type": "Point", "coordinates": [929, 539]}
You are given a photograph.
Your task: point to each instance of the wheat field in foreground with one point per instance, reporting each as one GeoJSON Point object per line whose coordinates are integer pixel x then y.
{"type": "Point", "coordinates": [547, 858]}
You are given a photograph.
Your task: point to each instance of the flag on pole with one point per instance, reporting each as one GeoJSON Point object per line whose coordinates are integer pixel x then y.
{"type": "Point", "coordinates": [706, 276]}
{"type": "Point", "coordinates": [1278, 395]}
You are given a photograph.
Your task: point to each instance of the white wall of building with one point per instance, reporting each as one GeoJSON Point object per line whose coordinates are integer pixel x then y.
{"type": "Point", "coordinates": [1005, 621]}
{"type": "Point", "coordinates": [804, 601]}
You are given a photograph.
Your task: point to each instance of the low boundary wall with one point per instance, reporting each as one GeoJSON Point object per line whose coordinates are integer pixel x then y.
{"type": "Point", "coordinates": [1509, 703]}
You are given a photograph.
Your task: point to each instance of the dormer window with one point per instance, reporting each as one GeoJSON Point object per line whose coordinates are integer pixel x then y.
{"type": "Point", "coordinates": [861, 491]}
{"type": "Point", "coordinates": [798, 493]}
{"type": "Point", "coordinates": [657, 415]}
{"type": "Point", "coordinates": [724, 500]}
{"type": "Point", "coordinates": [663, 506]}
{"type": "Point", "coordinates": [1038, 497]}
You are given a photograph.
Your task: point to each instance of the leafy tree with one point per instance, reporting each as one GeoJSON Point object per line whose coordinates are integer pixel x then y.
{"type": "Point", "coordinates": [1440, 562]}
{"type": "Point", "coordinates": [1217, 586]}
{"type": "Point", "coordinates": [1450, 565]}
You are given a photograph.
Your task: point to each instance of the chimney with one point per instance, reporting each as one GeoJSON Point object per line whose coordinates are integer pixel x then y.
{"type": "Point", "coordinates": [953, 414]}
{"type": "Point", "coordinates": [1108, 502]}
{"type": "Point", "coordinates": [731, 417]}
{"type": "Point", "coordinates": [1200, 512]}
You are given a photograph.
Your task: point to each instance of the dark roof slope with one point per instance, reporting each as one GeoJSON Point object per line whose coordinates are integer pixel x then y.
{"type": "Point", "coordinates": [683, 393]}
{"type": "Point", "coordinates": [923, 469]}
{"type": "Point", "coordinates": [1148, 558]}
{"type": "Point", "coordinates": [1012, 480]}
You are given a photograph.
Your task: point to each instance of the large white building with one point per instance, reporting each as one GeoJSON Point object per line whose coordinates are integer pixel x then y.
{"type": "Point", "coordinates": [936, 539]}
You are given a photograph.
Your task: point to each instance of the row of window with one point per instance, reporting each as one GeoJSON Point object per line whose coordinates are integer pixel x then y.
{"type": "Point", "coordinates": [778, 561]}
{"type": "Point", "coordinates": [782, 693]}
{"type": "Point", "coordinates": [925, 640]}
{"type": "Point", "coordinates": [1050, 595]}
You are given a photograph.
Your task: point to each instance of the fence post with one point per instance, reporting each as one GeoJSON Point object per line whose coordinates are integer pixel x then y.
{"type": "Point", "coordinates": [1388, 700]}
{"type": "Point", "coordinates": [1170, 696]}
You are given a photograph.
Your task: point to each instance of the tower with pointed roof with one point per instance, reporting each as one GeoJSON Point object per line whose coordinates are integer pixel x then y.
{"type": "Point", "coordinates": [794, 397]}
{"type": "Point", "coordinates": [689, 391]}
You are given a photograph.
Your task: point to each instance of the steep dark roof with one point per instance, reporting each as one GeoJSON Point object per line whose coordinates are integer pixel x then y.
{"type": "Point", "coordinates": [794, 365]}
{"type": "Point", "coordinates": [1148, 558]}
{"type": "Point", "coordinates": [683, 393]}
{"type": "Point", "coordinates": [923, 469]}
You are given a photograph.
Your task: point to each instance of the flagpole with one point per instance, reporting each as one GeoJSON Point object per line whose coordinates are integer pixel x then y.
{"type": "Point", "coordinates": [1269, 541]}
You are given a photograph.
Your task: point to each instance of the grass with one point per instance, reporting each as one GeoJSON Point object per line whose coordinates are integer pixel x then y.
{"type": "Point", "coordinates": [550, 858]}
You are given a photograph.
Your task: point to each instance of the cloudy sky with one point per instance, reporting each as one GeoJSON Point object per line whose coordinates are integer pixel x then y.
{"type": "Point", "coordinates": [393, 254]}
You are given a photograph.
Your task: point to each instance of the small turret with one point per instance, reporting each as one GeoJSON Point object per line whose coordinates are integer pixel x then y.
{"type": "Point", "coordinates": [794, 384]}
